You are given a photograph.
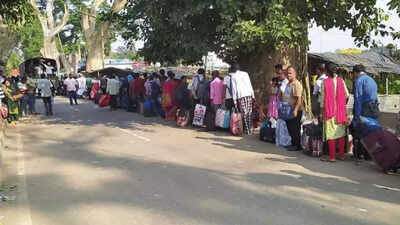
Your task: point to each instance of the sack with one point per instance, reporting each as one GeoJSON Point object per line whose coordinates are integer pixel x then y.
{"type": "Point", "coordinates": [182, 118]}
{"type": "Point", "coordinates": [371, 109]}
{"type": "Point", "coordinates": [210, 121]}
{"type": "Point", "coordinates": [199, 114]}
{"type": "Point", "coordinates": [171, 114]}
{"type": "Point", "coordinates": [384, 148]}
{"type": "Point", "coordinates": [267, 133]}
{"type": "Point", "coordinates": [283, 139]}
{"type": "Point", "coordinates": [104, 100]}
{"type": "Point", "coordinates": [222, 118]}
{"type": "Point", "coordinates": [4, 112]}
{"type": "Point", "coordinates": [285, 111]}
{"type": "Point", "coordinates": [236, 123]}
{"type": "Point", "coordinates": [148, 109]}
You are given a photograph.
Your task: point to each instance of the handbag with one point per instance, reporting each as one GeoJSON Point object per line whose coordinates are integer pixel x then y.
{"type": "Point", "coordinates": [4, 112]}
{"type": "Point", "coordinates": [199, 114]}
{"type": "Point", "coordinates": [182, 118]}
{"type": "Point", "coordinates": [236, 123]}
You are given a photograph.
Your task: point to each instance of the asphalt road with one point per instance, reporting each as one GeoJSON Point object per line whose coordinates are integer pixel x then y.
{"type": "Point", "coordinates": [88, 165]}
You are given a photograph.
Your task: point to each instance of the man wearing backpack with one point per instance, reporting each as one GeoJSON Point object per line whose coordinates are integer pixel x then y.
{"type": "Point", "coordinates": [198, 85]}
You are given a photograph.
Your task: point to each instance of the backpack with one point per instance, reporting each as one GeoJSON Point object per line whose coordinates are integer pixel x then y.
{"type": "Point", "coordinates": [201, 87]}
{"type": "Point", "coordinates": [205, 98]}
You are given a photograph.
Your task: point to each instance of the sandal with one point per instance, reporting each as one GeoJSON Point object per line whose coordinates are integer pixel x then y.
{"type": "Point", "coordinates": [326, 159]}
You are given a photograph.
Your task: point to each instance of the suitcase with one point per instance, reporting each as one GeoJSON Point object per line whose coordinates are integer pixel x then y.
{"type": "Point", "coordinates": [236, 123]}
{"type": "Point", "coordinates": [210, 121]}
{"type": "Point", "coordinates": [132, 106]}
{"type": "Point", "coordinates": [104, 100]}
{"type": "Point", "coordinates": [384, 149]}
{"type": "Point", "coordinates": [267, 133]}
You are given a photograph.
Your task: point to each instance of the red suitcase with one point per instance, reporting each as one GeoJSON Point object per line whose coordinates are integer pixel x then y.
{"type": "Point", "coordinates": [384, 149]}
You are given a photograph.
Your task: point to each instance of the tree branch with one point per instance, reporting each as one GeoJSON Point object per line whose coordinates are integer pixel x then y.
{"type": "Point", "coordinates": [43, 21]}
{"type": "Point", "coordinates": [64, 21]}
{"type": "Point", "coordinates": [118, 5]}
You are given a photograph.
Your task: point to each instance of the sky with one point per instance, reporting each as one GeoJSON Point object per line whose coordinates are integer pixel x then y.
{"type": "Point", "coordinates": [330, 41]}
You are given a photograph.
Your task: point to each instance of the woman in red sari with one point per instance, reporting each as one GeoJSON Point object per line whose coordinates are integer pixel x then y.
{"type": "Point", "coordinates": [168, 103]}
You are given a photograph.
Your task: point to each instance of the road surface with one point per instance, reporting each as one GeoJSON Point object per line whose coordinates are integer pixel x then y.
{"type": "Point", "coordinates": [88, 165]}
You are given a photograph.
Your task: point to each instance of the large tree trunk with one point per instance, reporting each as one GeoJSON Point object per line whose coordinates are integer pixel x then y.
{"type": "Point", "coordinates": [8, 40]}
{"type": "Point", "coordinates": [50, 50]}
{"type": "Point", "coordinates": [260, 66]}
{"type": "Point", "coordinates": [50, 29]}
{"type": "Point", "coordinates": [96, 33]}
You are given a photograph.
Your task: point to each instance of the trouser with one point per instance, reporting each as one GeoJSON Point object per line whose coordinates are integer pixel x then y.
{"type": "Point", "coordinates": [332, 147]}
{"type": "Point", "coordinates": [31, 103]}
{"type": "Point", "coordinates": [294, 128]}
{"type": "Point", "coordinates": [246, 108]}
{"type": "Point", "coordinates": [72, 96]}
{"type": "Point", "coordinates": [113, 101]}
{"type": "Point", "coordinates": [24, 106]}
{"type": "Point", "coordinates": [48, 105]}
{"type": "Point", "coordinates": [157, 106]}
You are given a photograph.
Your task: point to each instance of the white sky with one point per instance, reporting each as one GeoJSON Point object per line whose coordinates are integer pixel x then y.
{"type": "Point", "coordinates": [329, 41]}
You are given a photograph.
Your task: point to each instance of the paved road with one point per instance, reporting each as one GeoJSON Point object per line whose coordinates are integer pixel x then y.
{"type": "Point", "coordinates": [87, 165]}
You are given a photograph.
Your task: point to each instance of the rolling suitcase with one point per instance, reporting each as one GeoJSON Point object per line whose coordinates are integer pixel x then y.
{"type": "Point", "coordinates": [384, 149]}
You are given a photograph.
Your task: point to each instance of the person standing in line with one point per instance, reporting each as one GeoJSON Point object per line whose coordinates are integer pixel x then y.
{"type": "Point", "coordinates": [45, 86]}
{"type": "Point", "coordinates": [113, 87]}
{"type": "Point", "coordinates": [316, 102]}
{"type": "Point", "coordinates": [293, 96]}
{"type": "Point", "coordinates": [243, 96]}
{"type": "Point", "coordinates": [31, 91]}
{"type": "Point", "coordinates": [195, 83]}
{"type": "Point", "coordinates": [216, 91]}
{"type": "Point", "coordinates": [283, 81]}
{"type": "Point", "coordinates": [228, 89]}
{"type": "Point", "coordinates": [333, 104]}
{"type": "Point", "coordinates": [365, 94]}
{"type": "Point", "coordinates": [24, 100]}
{"type": "Point", "coordinates": [71, 85]}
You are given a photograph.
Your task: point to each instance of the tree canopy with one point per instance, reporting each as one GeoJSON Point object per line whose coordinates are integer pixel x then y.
{"type": "Point", "coordinates": [237, 28]}
{"type": "Point", "coordinates": [14, 12]}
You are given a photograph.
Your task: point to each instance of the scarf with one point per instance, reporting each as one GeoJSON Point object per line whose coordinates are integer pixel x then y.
{"type": "Point", "coordinates": [335, 107]}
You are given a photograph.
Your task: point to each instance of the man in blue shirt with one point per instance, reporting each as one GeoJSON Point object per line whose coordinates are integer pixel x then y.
{"type": "Point", "coordinates": [365, 90]}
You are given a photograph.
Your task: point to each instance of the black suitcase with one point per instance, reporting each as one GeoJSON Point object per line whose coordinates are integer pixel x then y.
{"type": "Point", "coordinates": [267, 133]}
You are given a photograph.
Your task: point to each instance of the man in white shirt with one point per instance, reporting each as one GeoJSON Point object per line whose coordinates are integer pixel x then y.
{"type": "Point", "coordinates": [45, 89]}
{"type": "Point", "coordinates": [228, 90]}
{"type": "Point", "coordinates": [113, 86]}
{"type": "Point", "coordinates": [282, 78]}
{"type": "Point", "coordinates": [321, 73]}
{"type": "Point", "coordinates": [243, 96]}
{"type": "Point", "coordinates": [71, 85]}
{"type": "Point", "coordinates": [82, 85]}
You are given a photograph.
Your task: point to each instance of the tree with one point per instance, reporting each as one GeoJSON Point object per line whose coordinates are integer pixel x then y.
{"type": "Point", "coordinates": [31, 39]}
{"type": "Point", "coordinates": [126, 53]}
{"type": "Point", "coordinates": [13, 62]}
{"type": "Point", "coordinates": [13, 14]}
{"type": "Point", "coordinates": [96, 26]}
{"type": "Point", "coordinates": [51, 27]}
{"type": "Point", "coordinates": [256, 34]}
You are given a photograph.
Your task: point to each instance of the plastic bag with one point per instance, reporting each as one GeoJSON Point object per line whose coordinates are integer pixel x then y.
{"type": "Point", "coordinates": [283, 138]}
